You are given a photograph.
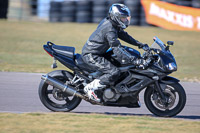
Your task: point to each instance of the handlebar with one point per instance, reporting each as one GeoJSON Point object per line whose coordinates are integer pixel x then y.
{"type": "Point", "coordinates": [149, 56]}
{"type": "Point", "coordinates": [149, 52]}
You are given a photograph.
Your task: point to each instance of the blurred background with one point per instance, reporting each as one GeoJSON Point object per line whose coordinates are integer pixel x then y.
{"type": "Point", "coordinates": [28, 24]}
{"type": "Point", "coordinates": [80, 11]}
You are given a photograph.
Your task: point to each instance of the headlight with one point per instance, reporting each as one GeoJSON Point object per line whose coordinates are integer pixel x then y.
{"type": "Point", "coordinates": [171, 66]}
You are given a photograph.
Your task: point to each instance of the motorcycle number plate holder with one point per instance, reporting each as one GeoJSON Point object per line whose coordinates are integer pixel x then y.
{"type": "Point", "coordinates": [54, 65]}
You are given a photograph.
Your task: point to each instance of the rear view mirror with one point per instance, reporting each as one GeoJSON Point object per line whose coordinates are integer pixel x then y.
{"type": "Point", "coordinates": [170, 42]}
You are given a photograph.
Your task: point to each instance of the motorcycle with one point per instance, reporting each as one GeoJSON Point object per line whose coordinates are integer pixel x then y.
{"type": "Point", "coordinates": [62, 90]}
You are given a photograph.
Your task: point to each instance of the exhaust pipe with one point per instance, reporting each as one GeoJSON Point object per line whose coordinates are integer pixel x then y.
{"type": "Point", "coordinates": [58, 84]}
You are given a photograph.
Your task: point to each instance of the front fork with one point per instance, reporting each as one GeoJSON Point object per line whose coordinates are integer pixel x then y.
{"type": "Point", "coordinates": [160, 91]}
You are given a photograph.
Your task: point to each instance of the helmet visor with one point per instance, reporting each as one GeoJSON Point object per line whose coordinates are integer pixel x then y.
{"type": "Point", "coordinates": [126, 20]}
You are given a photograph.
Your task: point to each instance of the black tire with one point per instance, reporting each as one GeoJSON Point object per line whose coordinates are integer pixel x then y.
{"type": "Point", "coordinates": [67, 19]}
{"type": "Point", "coordinates": [110, 2]}
{"type": "Point", "coordinates": [57, 105]}
{"type": "Point", "coordinates": [68, 11]}
{"type": "Point", "coordinates": [170, 1]}
{"type": "Point", "coordinates": [100, 2]}
{"type": "Point", "coordinates": [135, 21]}
{"type": "Point", "coordinates": [3, 9]}
{"type": "Point", "coordinates": [132, 3]}
{"type": "Point", "coordinates": [177, 89]}
{"type": "Point", "coordinates": [99, 12]}
{"type": "Point", "coordinates": [96, 19]}
{"type": "Point", "coordinates": [83, 6]}
{"type": "Point", "coordinates": [55, 12]}
{"type": "Point", "coordinates": [143, 21]}
{"type": "Point", "coordinates": [54, 17]}
{"type": "Point", "coordinates": [196, 3]}
{"type": "Point", "coordinates": [134, 7]}
{"type": "Point", "coordinates": [83, 17]}
{"type": "Point", "coordinates": [83, 14]}
{"type": "Point", "coordinates": [184, 3]}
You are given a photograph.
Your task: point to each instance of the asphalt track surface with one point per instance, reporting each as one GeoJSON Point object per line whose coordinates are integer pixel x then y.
{"type": "Point", "coordinates": [19, 94]}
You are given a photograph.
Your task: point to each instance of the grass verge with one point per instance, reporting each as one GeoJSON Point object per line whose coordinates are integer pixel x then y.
{"type": "Point", "coordinates": [21, 45]}
{"type": "Point", "coordinates": [87, 123]}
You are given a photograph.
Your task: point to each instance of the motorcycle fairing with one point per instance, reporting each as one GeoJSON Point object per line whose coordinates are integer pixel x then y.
{"type": "Point", "coordinates": [169, 80]}
{"type": "Point", "coordinates": [133, 83]}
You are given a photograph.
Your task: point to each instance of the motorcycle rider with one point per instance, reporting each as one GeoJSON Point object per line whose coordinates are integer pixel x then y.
{"type": "Point", "coordinates": [104, 37]}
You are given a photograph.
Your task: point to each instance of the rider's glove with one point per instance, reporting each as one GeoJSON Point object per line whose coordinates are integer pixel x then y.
{"type": "Point", "coordinates": [145, 47]}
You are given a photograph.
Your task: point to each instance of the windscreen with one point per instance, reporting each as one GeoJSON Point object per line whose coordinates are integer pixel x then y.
{"type": "Point", "coordinates": [158, 44]}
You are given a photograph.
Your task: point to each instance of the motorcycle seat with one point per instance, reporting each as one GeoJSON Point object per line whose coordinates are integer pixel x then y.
{"type": "Point", "coordinates": [64, 50]}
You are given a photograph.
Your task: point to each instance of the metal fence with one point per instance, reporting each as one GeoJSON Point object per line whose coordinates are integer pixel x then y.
{"type": "Point", "coordinates": [81, 11]}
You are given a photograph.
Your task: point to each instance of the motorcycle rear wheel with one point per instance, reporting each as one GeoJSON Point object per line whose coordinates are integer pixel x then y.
{"type": "Point", "coordinates": [53, 98]}
{"type": "Point", "coordinates": [176, 100]}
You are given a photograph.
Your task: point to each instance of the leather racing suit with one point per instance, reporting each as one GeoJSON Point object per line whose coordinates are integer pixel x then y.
{"type": "Point", "coordinates": [105, 36]}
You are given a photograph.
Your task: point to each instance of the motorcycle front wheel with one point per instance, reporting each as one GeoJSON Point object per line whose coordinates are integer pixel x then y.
{"type": "Point", "coordinates": [176, 99]}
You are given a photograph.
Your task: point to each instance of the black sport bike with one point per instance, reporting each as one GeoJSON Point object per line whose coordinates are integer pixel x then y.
{"type": "Point", "coordinates": [62, 90]}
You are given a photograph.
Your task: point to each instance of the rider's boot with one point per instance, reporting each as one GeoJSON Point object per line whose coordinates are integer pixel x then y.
{"type": "Point", "coordinates": [91, 87]}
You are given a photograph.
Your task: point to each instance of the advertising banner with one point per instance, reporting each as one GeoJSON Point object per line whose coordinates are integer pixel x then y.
{"type": "Point", "coordinates": [171, 16]}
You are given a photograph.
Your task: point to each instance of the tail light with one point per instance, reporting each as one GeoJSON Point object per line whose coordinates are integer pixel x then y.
{"type": "Point", "coordinates": [48, 53]}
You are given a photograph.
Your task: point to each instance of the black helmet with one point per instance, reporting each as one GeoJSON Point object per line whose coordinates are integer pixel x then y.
{"type": "Point", "coordinates": [120, 15]}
